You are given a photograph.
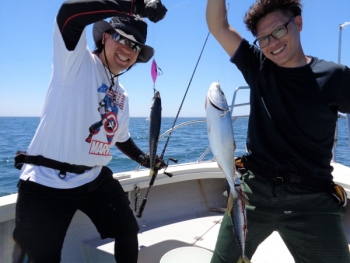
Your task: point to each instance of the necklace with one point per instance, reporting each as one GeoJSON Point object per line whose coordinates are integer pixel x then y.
{"type": "Point", "coordinates": [110, 72]}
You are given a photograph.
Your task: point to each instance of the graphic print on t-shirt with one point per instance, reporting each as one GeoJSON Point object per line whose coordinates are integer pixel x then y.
{"type": "Point", "coordinates": [108, 108]}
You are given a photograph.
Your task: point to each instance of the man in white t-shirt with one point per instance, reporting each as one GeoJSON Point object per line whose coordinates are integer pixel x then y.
{"type": "Point", "coordinates": [86, 112]}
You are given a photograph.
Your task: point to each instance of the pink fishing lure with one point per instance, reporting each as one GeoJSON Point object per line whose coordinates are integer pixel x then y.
{"type": "Point", "coordinates": [154, 71]}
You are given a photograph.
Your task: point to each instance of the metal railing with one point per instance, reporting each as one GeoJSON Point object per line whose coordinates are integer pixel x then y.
{"type": "Point", "coordinates": [347, 116]}
{"type": "Point", "coordinates": [181, 125]}
{"type": "Point", "coordinates": [233, 105]}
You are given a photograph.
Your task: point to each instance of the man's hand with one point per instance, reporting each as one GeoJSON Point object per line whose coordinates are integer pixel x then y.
{"type": "Point", "coordinates": [154, 10]}
{"type": "Point", "coordinates": [159, 163]}
{"type": "Point", "coordinates": [145, 161]}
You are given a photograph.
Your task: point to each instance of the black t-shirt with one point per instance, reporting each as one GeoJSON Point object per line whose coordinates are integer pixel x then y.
{"type": "Point", "coordinates": [293, 111]}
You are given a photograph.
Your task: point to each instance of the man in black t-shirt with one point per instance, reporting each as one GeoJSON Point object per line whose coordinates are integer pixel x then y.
{"type": "Point", "coordinates": [295, 101]}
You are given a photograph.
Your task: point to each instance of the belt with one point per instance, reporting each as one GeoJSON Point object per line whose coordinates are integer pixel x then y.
{"type": "Point", "coordinates": [291, 178]}
{"type": "Point", "coordinates": [39, 160]}
{"type": "Point", "coordinates": [279, 176]}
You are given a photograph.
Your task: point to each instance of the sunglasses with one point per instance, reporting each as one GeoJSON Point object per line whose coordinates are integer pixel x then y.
{"type": "Point", "coordinates": [125, 41]}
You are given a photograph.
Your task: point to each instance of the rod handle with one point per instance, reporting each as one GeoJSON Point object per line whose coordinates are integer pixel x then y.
{"type": "Point", "coordinates": [142, 207]}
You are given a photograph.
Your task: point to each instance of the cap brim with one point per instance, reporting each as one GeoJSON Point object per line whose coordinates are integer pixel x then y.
{"type": "Point", "coordinates": [102, 26]}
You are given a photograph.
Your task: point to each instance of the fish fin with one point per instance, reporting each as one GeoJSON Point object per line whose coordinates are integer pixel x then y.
{"type": "Point", "coordinates": [240, 191]}
{"type": "Point", "coordinates": [241, 195]}
{"type": "Point", "coordinates": [225, 111]}
{"type": "Point", "coordinates": [220, 167]}
{"type": "Point", "coordinates": [217, 162]}
{"type": "Point", "coordinates": [243, 259]}
{"type": "Point", "coordinates": [230, 204]}
{"type": "Point", "coordinates": [244, 199]}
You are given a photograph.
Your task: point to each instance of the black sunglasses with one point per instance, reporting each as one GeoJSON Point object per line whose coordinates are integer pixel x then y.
{"type": "Point", "coordinates": [124, 41]}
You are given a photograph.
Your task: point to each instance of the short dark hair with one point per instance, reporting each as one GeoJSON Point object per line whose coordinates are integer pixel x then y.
{"type": "Point", "coordinates": [99, 46]}
{"type": "Point", "coordinates": [263, 7]}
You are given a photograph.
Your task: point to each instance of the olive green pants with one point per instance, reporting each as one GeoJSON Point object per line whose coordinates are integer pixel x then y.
{"type": "Point", "coordinates": [308, 222]}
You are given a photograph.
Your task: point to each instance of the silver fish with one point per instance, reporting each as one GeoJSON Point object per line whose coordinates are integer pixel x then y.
{"type": "Point", "coordinates": [239, 222]}
{"type": "Point", "coordinates": [221, 138]}
{"type": "Point", "coordinates": [154, 129]}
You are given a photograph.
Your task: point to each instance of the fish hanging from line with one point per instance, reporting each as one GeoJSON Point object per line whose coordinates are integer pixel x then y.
{"type": "Point", "coordinates": [221, 138]}
{"type": "Point", "coordinates": [239, 222]}
{"type": "Point", "coordinates": [154, 130]}
{"type": "Point", "coordinates": [155, 120]}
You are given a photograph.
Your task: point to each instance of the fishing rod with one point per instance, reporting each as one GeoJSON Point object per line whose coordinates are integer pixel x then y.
{"type": "Point", "coordinates": [178, 112]}
{"type": "Point", "coordinates": [153, 139]}
{"type": "Point", "coordinates": [156, 168]}
{"type": "Point", "coordinates": [144, 201]}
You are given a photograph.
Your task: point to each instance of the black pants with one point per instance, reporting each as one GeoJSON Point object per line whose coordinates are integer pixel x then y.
{"type": "Point", "coordinates": [43, 215]}
{"type": "Point", "coordinates": [308, 221]}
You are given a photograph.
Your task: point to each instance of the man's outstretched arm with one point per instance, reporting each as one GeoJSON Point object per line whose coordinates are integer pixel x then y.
{"type": "Point", "coordinates": [218, 25]}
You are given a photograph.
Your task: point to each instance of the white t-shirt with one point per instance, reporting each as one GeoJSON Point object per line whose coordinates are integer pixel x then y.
{"type": "Point", "coordinates": [81, 120]}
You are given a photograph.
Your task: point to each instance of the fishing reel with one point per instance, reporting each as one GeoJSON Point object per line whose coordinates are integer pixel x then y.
{"type": "Point", "coordinates": [158, 166]}
{"type": "Point", "coordinates": [139, 207]}
{"type": "Point", "coordinates": [166, 166]}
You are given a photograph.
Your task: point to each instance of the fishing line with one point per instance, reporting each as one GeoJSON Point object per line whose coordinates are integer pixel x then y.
{"type": "Point", "coordinates": [223, 53]}
{"type": "Point", "coordinates": [139, 207]}
{"type": "Point", "coordinates": [158, 69]}
{"type": "Point", "coordinates": [179, 5]}
{"type": "Point", "coordinates": [178, 112]}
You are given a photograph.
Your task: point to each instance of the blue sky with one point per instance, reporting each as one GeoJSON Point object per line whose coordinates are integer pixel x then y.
{"type": "Point", "coordinates": [26, 54]}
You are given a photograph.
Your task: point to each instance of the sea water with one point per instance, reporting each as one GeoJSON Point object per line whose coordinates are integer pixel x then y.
{"type": "Point", "coordinates": [185, 144]}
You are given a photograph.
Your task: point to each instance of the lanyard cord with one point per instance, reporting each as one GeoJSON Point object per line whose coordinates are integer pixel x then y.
{"type": "Point", "coordinates": [110, 72]}
{"type": "Point", "coordinates": [113, 76]}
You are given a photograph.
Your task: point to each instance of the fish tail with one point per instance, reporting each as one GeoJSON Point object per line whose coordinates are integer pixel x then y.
{"type": "Point", "coordinates": [243, 259]}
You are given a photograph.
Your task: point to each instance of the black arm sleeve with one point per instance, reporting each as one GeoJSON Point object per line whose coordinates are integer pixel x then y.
{"type": "Point", "coordinates": [75, 15]}
{"type": "Point", "coordinates": [344, 95]}
{"type": "Point", "coordinates": [130, 149]}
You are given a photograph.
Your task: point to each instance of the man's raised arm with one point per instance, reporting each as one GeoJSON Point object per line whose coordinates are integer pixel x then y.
{"type": "Point", "coordinates": [218, 25]}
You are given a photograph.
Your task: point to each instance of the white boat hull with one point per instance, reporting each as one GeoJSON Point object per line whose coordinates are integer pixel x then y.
{"type": "Point", "coordinates": [177, 215]}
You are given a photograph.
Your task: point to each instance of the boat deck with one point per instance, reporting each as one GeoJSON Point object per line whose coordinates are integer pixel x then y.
{"type": "Point", "coordinates": [156, 242]}
{"type": "Point", "coordinates": [201, 233]}
{"type": "Point", "coordinates": [195, 233]}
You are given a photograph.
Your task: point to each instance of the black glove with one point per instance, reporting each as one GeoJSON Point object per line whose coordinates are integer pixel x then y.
{"type": "Point", "coordinates": [145, 161]}
{"type": "Point", "coordinates": [154, 10]}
